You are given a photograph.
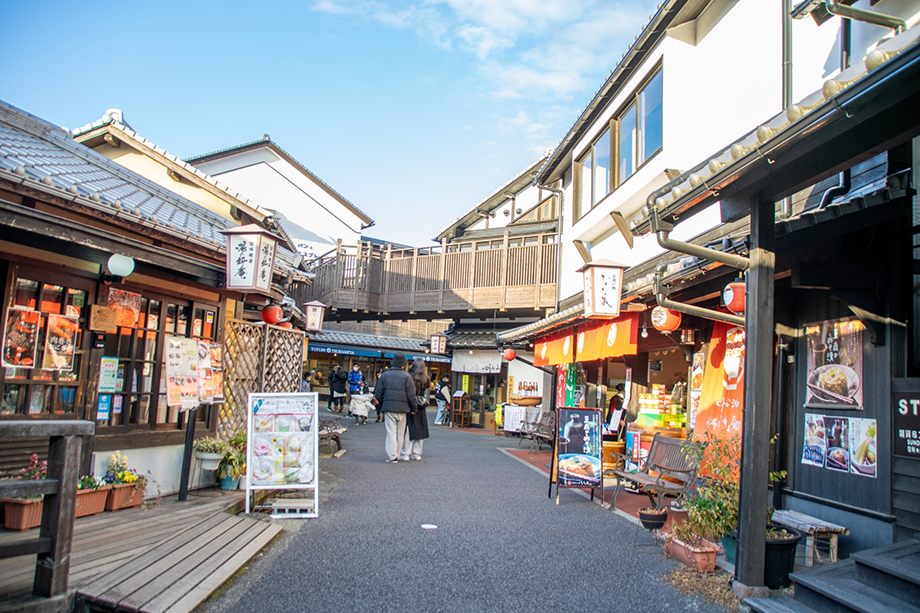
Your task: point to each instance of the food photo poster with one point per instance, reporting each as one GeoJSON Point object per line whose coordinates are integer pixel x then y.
{"type": "Point", "coordinates": [841, 444]}
{"type": "Point", "coordinates": [834, 364]}
{"type": "Point", "coordinates": [20, 337]}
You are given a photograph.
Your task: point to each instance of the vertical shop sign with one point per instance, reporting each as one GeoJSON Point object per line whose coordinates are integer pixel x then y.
{"type": "Point", "coordinates": [722, 394]}
{"type": "Point", "coordinates": [834, 364]}
{"type": "Point", "coordinates": [906, 424]}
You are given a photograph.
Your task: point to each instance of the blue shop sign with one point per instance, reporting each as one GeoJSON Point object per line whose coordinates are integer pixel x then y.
{"type": "Point", "coordinates": [320, 348]}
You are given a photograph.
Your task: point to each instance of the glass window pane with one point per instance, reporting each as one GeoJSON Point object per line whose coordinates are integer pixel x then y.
{"type": "Point", "coordinates": [26, 293]}
{"type": "Point", "coordinates": [626, 164]}
{"type": "Point", "coordinates": [601, 167]}
{"type": "Point", "coordinates": [66, 398]}
{"type": "Point", "coordinates": [182, 321]}
{"type": "Point", "coordinates": [650, 101]}
{"type": "Point", "coordinates": [40, 399]}
{"type": "Point", "coordinates": [210, 330]}
{"type": "Point", "coordinates": [153, 321]}
{"type": "Point", "coordinates": [198, 323]}
{"type": "Point", "coordinates": [53, 299]}
{"type": "Point", "coordinates": [76, 300]}
{"type": "Point", "coordinates": [12, 398]}
{"type": "Point", "coordinates": [171, 311]}
{"type": "Point", "coordinates": [583, 198]}
{"type": "Point", "coordinates": [74, 374]}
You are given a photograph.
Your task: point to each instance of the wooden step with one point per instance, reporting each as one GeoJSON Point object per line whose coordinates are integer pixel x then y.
{"type": "Point", "coordinates": [835, 588]}
{"type": "Point", "coordinates": [894, 569]}
{"type": "Point", "coordinates": [777, 605]}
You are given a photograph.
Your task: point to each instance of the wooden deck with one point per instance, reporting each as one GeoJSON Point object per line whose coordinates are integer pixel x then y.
{"type": "Point", "coordinates": [167, 558]}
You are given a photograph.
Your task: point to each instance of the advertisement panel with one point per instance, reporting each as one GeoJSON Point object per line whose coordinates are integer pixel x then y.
{"type": "Point", "coordinates": [579, 447]}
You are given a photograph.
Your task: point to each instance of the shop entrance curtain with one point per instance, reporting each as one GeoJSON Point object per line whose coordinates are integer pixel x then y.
{"type": "Point", "coordinates": [555, 349]}
{"type": "Point", "coordinates": [480, 362]}
{"type": "Point", "coordinates": [607, 339]}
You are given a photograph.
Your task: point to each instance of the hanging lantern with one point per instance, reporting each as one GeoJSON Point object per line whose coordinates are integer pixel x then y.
{"type": "Point", "coordinates": [665, 320]}
{"type": "Point", "coordinates": [603, 284]}
{"type": "Point", "coordinates": [734, 296]}
{"type": "Point", "coordinates": [285, 324]}
{"type": "Point", "coordinates": [250, 258]}
{"type": "Point", "coordinates": [272, 314]}
{"type": "Point", "coordinates": [315, 311]}
{"type": "Point", "coordinates": [510, 354]}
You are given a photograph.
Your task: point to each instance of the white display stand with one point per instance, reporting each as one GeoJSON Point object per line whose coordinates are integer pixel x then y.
{"type": "Point", "coordinates": [283, 450]}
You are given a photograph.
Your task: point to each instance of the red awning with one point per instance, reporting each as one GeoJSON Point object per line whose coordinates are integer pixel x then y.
{"type": "Point", "coordinates": [555, 349]}
{"type": "Point", "coordinates": [608, 339]}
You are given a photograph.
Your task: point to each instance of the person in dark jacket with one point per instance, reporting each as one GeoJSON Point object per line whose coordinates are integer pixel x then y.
{"type": "Point", "coordinates": [418, 421]}
{"type": "Point", "coordinates": [337, 382]}
{"type": "Point", "coordinates": [442, 397]}
{"type": "Point", "coordinates": [395, 393]}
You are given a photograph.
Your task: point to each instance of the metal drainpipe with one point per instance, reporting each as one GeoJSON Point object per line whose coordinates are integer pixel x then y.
{"type": "Point", "coordinates": [843, 183]}
{"type": "Point", "coordinates": [662, 230]}
{"type": "Point", "coordinates": [880, 19]}
{"type": "Point", "coordinates": [779, 448]}
{"type": "Point", "coordinates": [558, 237]}
{"type": "Point", "coordinates": [689, 309]}
{"type": "Point", "coordinates": [786, 209]}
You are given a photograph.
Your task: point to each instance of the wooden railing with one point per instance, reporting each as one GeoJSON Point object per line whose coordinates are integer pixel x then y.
{"type": "Point", "coordinates": [452, 277]}
{"type": "Point", "coordinates": [52, 546]}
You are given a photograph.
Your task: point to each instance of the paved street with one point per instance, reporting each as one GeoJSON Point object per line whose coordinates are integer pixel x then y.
{"type": "Point", "coordinates": [500, 543]}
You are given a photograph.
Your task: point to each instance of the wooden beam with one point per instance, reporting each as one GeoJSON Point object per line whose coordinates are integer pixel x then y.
{"type": "Point", "coordinates": [758, 391]}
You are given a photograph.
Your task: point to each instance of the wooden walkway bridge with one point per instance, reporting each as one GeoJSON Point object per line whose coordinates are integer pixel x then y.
{"type": "Point", "coordinates": [512, 275]}
{"type": "Point", "coordinates": [167, 558]}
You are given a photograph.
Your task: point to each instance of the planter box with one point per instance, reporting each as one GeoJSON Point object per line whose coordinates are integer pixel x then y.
{"type": "Point", "coordinates": [22, 514]}
{"type": "Point", "coordinates": [124, 495]}
{"type": "Point", "coordinates": [701, 559]}
{"type": "Point", "coordinates": [208, 461]}
{"type": "Point", "coordinates": [91, 502]}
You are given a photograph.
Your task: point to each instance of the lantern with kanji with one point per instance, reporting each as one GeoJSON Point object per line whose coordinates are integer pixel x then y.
{"type": "Point", "coordinates": [272, 314]}
{"type": "Point", "coordinates": [603, 281]}
{"type": "Point", "coordinates": [734, 296]}
{"type": "Point", "coordinates": [314, 311]}
{"type": "Point", "coordinates": [665, 320]}
{"type": "Point", "coordinates": [250, 258]}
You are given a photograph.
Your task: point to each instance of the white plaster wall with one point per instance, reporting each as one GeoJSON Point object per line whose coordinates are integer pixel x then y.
{"type": "Point", "coordinates": [524, 372]}
{"type": "Point", "coordinates": [163, 464]}
{"type": "Point", "coordinates": [273, 183]}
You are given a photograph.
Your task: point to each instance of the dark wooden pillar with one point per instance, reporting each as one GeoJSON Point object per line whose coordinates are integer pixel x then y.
{"type": "Point", "coordinates": [758, 388]}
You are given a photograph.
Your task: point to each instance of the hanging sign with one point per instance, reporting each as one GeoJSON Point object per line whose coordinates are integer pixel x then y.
{"type": "Point", "coordinates": [578, 448]}
{"type": "Point", "coordinates": [283, 449]}
{"type": "Point", "coordinates": [906, 424]}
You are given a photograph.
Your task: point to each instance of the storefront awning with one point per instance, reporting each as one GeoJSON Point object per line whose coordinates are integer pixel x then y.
{"type": "Point", "coordinates": [481, 362]}
{"type": "Point", "coordinates": [424, 356]}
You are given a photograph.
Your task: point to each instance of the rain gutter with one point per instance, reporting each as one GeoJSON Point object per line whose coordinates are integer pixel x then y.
{"type": "Point", "coordinates": [879, 19]}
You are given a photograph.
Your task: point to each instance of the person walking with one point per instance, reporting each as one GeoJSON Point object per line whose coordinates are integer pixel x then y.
{"type": "Point", "coordinates": [442, 397]}
{"type": "Point", "coordinates": [418, 420]}
{"type": "Point", "coordinates": [337, 387]}
{"type": "Point", "coordinates": [395, 394]}
{"type": "Point", "coordinates": [355, 380]}
{"type": "Point", "coordinates": [377, 404]}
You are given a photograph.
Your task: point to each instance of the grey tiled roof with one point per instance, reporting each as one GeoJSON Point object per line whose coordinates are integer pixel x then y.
{"type": "Point", "coordinates": [44, 157]}
{"type": "Point", "coordinates": [335, 337]}
{"type": "Point", "coordinates": [471, 340]}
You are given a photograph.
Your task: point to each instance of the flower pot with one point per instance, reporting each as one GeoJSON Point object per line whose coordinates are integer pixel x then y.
{"type": "Point", "coordinates": [229, 483]}
{"type": "Point", "coordinates": [779, 559]}
{"type": "Point", "coordinates": [730, 544]}
{"type": "Point", "coordinates": [91, 502]}
{"type": "Point", "coordinates": [22, 513]}
{"type": "Point", "coordinates": [653, 521]}
{"type": "Point", "coordinates": [209, 461]}
{"type": "Point", "coordinates": [124, 495]}
{"type": "Point", "coordinates": [701, 559]}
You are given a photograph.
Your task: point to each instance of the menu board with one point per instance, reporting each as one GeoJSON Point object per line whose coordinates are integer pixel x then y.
{"type": "Point", "coordinates": [19, 338]}
{"type": "Point", "coordinates": [283, 450]}
{"type": "Point", "coordinates": [578, 447]}
{"type": "Point", "coordinates": [182, 373]}
{"type": "Point", "coordinates": [841, 444]}
{"type": "Point", "coordinates": [834, 364]}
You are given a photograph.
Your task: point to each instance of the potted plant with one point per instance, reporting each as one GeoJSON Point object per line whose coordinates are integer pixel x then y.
{"type": "Point", "coordinates": [230, 469]}
{"type": "Point", "coordinates": [652, 518]}
{"type": "Point", "coordinates": [91, 496]}
{"type": "Point", "coordinates": [209, 452]}
{"type": "Point", "coordinates": [127, 486]}
{"type": "Point", "coordinates": [25, 512]}
{"type": "Point", "coordinates": [779, 556]}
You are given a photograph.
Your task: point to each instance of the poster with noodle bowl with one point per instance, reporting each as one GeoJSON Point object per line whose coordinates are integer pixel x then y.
{"type": "Point", "coordinates": [834, 364]}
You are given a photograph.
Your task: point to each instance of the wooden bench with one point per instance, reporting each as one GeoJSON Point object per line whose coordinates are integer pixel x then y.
{"type": "Point", "coordinates": [670, 469]}
{"type": "Point", "coordinates": [813, 529]}
{"type": "Point", "coordinates": [330, 431]}
{"type": "Point", "coordinates": [545, 432]}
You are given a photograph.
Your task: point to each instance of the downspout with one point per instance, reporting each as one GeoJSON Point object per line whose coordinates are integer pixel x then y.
{"type": "Point", "coordinates": [561, 195]}
{"type": "Point", "coordinates": [879, 19]}
{"type": "Point", "coordinates": [786, 207]}
{"type": "Point", "coordinates": [689, 309]}
{"type": "Point", "coordinates": [843, 184]}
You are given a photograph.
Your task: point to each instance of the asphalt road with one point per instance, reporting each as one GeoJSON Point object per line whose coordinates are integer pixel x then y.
{"type": "Point", "coordinates": [500, 544]}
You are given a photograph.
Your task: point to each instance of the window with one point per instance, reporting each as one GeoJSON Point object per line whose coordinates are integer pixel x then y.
{"type": "Point", "coordinates": [632, 138]}
{"type": "Point", "coordinates": [639, 129]}
{"type": "Point", "coordinates": [37, 390]}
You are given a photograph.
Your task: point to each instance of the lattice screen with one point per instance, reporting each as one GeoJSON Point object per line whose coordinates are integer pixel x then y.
{"type": "Point", "coordinates": [245, 370]}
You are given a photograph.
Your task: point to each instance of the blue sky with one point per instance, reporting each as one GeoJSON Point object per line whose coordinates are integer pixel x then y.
{"type": "Point", "coordinates": [413, 110]}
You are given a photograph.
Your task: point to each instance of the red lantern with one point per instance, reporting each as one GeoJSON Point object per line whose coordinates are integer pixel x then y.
{"type": "Point", "coordinates": [665, 320]}
{"type": "Point", "coordinates": [285, 324]}
{"type": "Point", "coordinates": [510, 354]}
{"type": "Point", "coordinates": [272, 314]}
{"type": "Point", "coordinates": [734, 296]}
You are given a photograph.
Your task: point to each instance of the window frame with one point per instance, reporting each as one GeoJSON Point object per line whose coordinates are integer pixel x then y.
{"type": "Point", "coordinates": [633, 103]}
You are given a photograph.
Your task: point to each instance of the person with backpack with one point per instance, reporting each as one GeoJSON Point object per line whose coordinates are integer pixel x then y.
{"type": "Point", "coordinates": [442, 397]}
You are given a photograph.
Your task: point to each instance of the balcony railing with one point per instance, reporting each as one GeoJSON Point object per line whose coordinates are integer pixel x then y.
{"type": "Point", "coordinates": [500, 274]}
